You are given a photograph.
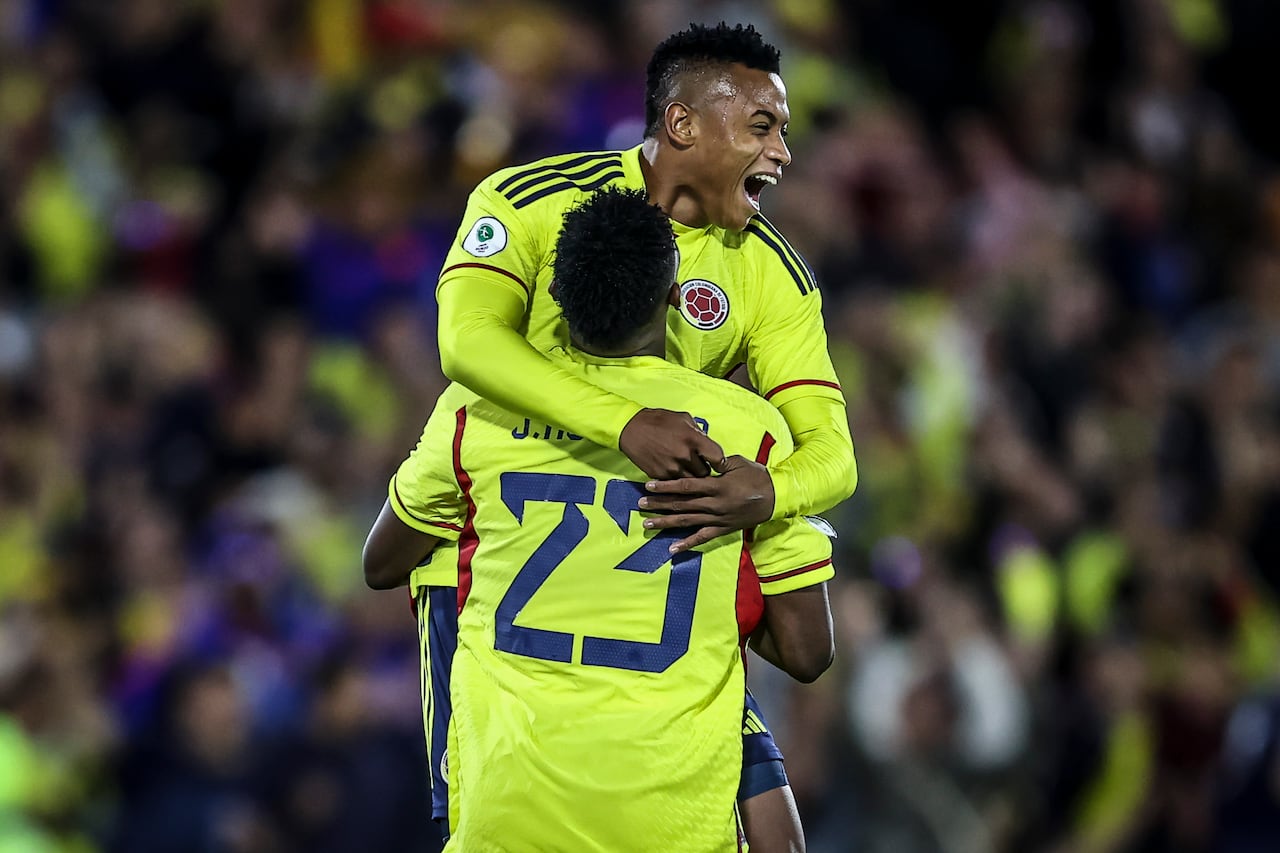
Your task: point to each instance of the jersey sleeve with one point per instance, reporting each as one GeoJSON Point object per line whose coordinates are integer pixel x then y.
{"type": "Point", "coordinates": [787, 355]}
{"type": "Point", "coordinates": [484, 294]}
{"type": "Point", "coordinates": [790, 554]}
{"type": "Point", "coordinates": [424, 492]}
{"type": "Point", "coordinates": [788, 361]}
{"type": "Point", "coordinates": [823, 471]}
{"type": "Point", "coordinates": [498, 243]}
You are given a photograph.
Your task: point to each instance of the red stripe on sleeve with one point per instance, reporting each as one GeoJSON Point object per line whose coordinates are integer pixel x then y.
{"type": "Point", "coordinates": [794, 572]}
{"type": "Point", "coordinates": [785, 385]}
{"type": "Point", "coordinates": [528, 291]}
{"type": "Point", "coordinates": [469, 539]}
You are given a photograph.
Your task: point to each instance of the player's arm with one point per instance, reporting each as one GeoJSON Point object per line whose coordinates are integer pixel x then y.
{"type": "Point", "coordinates": [483, 297]}
{"type": "Point", "coordinates": [793, 562]}
{"type": "Point", "coordinates": [720, 505]}
{"type": "Point", "coordinates": [424, 502]}
{"type": "Point", "coordinates": [393, 550]}
{"type": "Point", "coordinates": [789, 363]}
{"type": "Point", "coordinates": [771, 822]}
{"type": "Point", "coordinates": [795, 632]}
{"type": "Point", "coordinates": [822, 471]}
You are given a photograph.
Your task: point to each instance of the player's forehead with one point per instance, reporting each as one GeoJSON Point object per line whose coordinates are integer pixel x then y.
{"type": "Point", "coordinates": [749, 91]}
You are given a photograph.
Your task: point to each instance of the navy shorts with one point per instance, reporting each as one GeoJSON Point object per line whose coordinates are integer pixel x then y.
{"type": "Point", "coordinates": [438, 637]}
{"type": "Point", "coordinates": [762, 768]}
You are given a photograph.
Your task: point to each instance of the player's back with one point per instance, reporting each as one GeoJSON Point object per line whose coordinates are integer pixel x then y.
{"type": "Point", "coordinates": [597, 684]}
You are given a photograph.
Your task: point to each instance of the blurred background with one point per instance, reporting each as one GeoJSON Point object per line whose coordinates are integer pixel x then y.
{"type": "Point", "coordinates": [1048, 235]}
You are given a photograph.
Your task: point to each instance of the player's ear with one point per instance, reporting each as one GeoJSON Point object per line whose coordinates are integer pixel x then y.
{"type": "Point", "coordinates": [673, 295]}
{"type": "Point", "coordinates": [678, 119]}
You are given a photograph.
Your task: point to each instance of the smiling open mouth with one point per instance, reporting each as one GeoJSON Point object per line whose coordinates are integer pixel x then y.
{"type": "Point", "coordinates": [755, 184]}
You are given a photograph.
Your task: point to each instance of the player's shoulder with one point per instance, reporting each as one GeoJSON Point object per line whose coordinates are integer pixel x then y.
{"type": "Point", "coordinates": [453, 398]}
{"type": "Point", "coordinates": [733, 408]}
{"type": "Point", "coordinates": [564, 177]}
{"type": "Point", "coordinates": [769, 251]}
{"type": "Point", "coordinates": [458, 403]}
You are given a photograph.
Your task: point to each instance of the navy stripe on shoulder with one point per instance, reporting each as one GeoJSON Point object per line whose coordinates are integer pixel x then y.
{"type": "Point", "coordinates": [586, 172]}
{"type": "Point", "coordinates": [568, 185]}
{"type": "Point", "coordinates": [550, 167]}
{"type": "Point", "coordinates": [801, 282]}
{"type": "Point", "coordinates": [799, 260]}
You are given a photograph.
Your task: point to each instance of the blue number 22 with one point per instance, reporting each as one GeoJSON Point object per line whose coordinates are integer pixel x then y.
{"type": "Point", "coordinates": [620, 498]}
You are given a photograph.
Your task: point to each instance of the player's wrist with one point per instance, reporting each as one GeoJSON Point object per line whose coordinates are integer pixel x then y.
{"type": "Point", "coordinates": [626, 414]}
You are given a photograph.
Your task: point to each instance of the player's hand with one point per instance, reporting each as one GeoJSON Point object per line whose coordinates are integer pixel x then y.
{"type": "Point", "coordinates": [741, 497]}
{"type": "Point", "coordinates": [667, 445]}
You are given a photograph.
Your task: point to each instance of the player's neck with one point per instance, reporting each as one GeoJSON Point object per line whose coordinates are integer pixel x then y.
{"type": "Point", "coordinates": [652, 342]}
{"type": "Point", "coordinates": [667, 187]}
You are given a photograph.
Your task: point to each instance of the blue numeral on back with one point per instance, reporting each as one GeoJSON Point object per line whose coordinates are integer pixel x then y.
{"type": "Point", "coordinates": [620, 501]}
{"type": "Point", "coordinates": [517, 490]}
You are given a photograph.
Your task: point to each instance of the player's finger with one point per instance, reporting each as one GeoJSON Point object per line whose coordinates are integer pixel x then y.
{"type": "Point", "coordinates": [674, 470]}
{"type": "Point", "coordinates": [677, 503]}
{"type": "Point", "coordinates": [695, 466]}
{"type": "Point", "coordinates": [687, 486]}
{"type": "Point", "coordinates": [700, 537]}
{"type": "Point", "coordinates": [728, 463]}
{"type": "Point", "coordinates": [678, 520]}
{"type": "Point", "coordinates": [706, 447]}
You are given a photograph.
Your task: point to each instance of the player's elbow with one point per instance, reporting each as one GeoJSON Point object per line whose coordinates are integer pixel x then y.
{"type": "Point", "coordinates": [380, 573]}
{"type": "Point", "coordinates": [452, 362]}
{"type": "Point", "coordinates": [381, 579]}
{"type": "Point", "coordinates": [804, 654]}
{"type": "Point", "coordinates": [812, 663]}
{"type": "Point", "coordinates": [848, 468]}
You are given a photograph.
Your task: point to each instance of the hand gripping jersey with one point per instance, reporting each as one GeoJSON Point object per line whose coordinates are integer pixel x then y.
{"type": "Point", "coordinates": [597, 685]}
{"type": "Point", "coordinates": [746, 298]}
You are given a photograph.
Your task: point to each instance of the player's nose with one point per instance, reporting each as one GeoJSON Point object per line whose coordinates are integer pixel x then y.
{"type": "Point", "coordinates": [778, 152]}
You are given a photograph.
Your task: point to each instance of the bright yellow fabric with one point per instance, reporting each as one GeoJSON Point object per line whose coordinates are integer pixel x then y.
{"type": "Point", "coordinates": [591, 756]}
{"type": "Point", "coordinates": [773, 323]}
{"type": "Point", "coordinates": [487, 355]}
{"type": "Point", "coordinates": [823, 459]}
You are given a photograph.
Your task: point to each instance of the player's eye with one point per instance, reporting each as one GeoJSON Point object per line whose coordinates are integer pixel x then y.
{"type": "Point", "coordinates": [762, 127]}
{"type": "Point", "coordinates": [785, 130]}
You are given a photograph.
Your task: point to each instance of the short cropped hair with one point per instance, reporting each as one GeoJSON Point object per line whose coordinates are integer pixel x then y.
{"type": "Point", "coordinates": [696, 47]}
{"type": "Point", "coordinates": [614, 263]}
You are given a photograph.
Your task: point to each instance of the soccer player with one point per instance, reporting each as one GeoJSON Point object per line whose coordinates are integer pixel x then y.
{"type": "Point", "coordinates": [597, 683]}
{"type": "Point", "coordinates": [716, 117]}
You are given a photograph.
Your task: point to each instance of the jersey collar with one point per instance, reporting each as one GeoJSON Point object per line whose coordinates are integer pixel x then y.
{"type": "Point", "coordinates": [628, 361]}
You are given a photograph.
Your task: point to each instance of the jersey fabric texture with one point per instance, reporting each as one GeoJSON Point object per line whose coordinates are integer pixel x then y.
{"type": "Point", "coordinates": [597, 685]}
{"type": "Point", "coordinates": [747, 298]}
{"type": "Point", "coordinates": [437, 614]}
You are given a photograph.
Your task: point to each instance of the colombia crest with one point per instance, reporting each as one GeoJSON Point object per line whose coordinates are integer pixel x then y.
{"type": "Point", "coordinates": [703, 304]}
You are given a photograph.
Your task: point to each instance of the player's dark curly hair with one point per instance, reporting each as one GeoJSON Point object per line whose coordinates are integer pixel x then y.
{"type": "Point", "coordinates": [614, 263]}
{"type": "Point", "coordinates": [698, 46]}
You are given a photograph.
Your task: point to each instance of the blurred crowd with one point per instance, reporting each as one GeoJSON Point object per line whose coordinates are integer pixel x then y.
{"type": "Point", "coordinates": [1048, 237]}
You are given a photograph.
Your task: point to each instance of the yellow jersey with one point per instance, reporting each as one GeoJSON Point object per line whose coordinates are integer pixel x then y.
{"type": "Point", "coordinates": [597, 685]}
{"type": "Point", "coordinates": [746, 297]}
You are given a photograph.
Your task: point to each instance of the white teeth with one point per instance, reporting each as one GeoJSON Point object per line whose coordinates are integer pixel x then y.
{"type": "Point", "coordinates": [768, 179]}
